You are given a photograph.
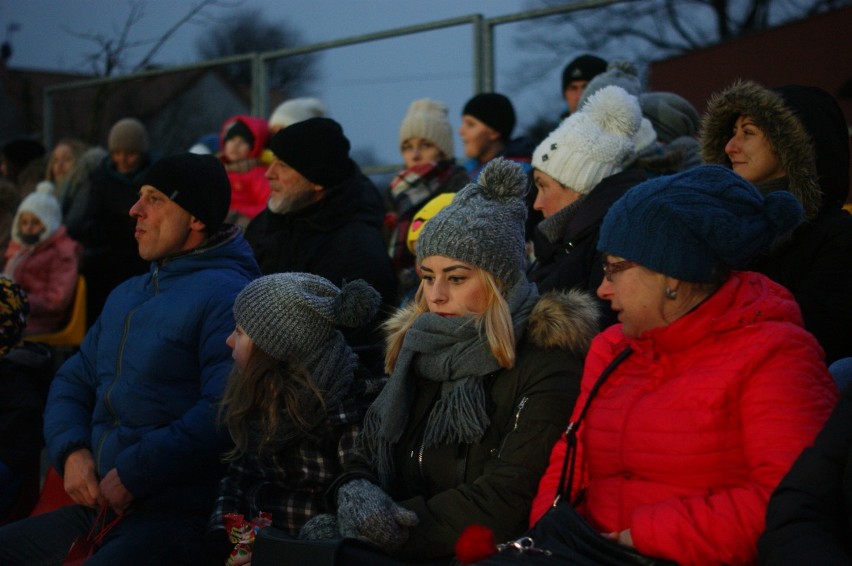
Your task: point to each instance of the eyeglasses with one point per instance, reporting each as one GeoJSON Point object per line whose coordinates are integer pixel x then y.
{"type": "Point", "coordinates": [611, 269]}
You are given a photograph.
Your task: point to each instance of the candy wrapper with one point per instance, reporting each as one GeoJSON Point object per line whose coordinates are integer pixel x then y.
{"type": "Point", "coordinates": [242, 533]}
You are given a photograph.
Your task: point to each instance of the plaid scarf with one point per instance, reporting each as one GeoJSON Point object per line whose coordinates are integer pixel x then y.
{"type": "Point", "coordinates": [408, 192]}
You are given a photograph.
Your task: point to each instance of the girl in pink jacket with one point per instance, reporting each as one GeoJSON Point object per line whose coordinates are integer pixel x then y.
{"type": "Point", "coordinates": [43, 259]}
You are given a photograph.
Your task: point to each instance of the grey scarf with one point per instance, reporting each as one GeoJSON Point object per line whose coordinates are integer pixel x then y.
{"type": "Point", "coordinates": [456, 353]}
{"type": "Point", "coordinates": [553, 227]}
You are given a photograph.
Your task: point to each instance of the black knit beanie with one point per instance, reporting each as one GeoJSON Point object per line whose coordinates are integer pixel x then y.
{"type": "Point", "coordinates": [494, 110]}
{"type": "Point", "coordinates": [197, 183]}
{"type": "Point", "coordinates": [317, 149]}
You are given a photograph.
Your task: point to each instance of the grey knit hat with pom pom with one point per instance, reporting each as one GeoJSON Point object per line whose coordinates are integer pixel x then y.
{"type": "Point", "coordinates": [687, 225]}
{"type": "Point", "coordinates": [618, 73]}
{"type": "Point", "coordinates": [297, 313]}
{"type": "Point", "coordinates": [484, 225]}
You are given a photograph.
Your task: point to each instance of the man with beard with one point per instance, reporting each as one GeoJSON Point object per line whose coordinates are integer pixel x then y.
{"type": "Point", "coordinates": [323, 216]}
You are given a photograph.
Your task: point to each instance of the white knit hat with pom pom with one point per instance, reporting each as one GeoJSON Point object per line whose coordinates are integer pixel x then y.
{"type": "Point", "coordinates": [43, 205]}
{"type": "Point", "coordinates": [593, 143]}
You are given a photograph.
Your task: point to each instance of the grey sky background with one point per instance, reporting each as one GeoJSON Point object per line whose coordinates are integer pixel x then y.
{"type": "Point", "coordinates": [367, 87]}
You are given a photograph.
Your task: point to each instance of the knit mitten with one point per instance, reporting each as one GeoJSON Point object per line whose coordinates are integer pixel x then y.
{"type": "Point", "coordinates": [367, 513]}
{"type": "Point", "coordinates": [321, 527]}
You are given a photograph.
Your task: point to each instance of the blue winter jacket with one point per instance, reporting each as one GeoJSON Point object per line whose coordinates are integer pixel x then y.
{"type": "Point", "coordinates": [143, 391]}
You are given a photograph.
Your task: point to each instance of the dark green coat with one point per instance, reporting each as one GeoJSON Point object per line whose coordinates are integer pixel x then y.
{"type": "Point", "coordinates": [492, 482]}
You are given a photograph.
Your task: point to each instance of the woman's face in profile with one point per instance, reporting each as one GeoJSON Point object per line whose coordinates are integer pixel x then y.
{"type": "Point", "coordinates": [751, 154]}
{"type": "Point", "coordinates": [452, 287]}
{"type": "Point", "coordinates": [635, 293]}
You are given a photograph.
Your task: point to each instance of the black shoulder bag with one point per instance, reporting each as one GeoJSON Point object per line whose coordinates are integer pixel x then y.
{"type": "Point", "coordinates": [562, 536]}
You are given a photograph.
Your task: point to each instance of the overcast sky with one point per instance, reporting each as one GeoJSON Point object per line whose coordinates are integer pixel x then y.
{"type": "Point", "coordinates": [366, 87]}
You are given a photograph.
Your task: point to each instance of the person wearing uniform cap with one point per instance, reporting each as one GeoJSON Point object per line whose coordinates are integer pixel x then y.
{"type": "Point", "coordinates": [576, 75]}
{"type": "Point", "coordinates": [130, 421]}
{"type": "Point", "coordinates": [323, 216]}
{"type": "Point", "coordinates": [101, 223]}
{"type": "Point", "coordinates": [699, 400]}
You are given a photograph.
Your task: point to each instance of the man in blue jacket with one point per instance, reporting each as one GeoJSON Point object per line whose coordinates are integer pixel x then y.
{"type": "Point", "coordinates": [131, 419]}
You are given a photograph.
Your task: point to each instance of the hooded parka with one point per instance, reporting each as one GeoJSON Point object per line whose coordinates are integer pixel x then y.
{"type": "Point", "coordinates": [808, 134]}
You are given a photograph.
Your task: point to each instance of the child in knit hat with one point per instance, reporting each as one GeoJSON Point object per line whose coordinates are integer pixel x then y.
{"type": "Point", "coordinates": [478, 365]}
{"type": "Point", "coordinates": [243, 139]}
{"type": "Point", "coordinates": [426, 144]}
{"type": "Point", "coordinates": [43, 259]}
{"type": "Point", "coordinates": [578, 173]}
{"type": "Point", "coordinates": [25, 372]}
{"type": "Point", "coordinates": [296, 397]}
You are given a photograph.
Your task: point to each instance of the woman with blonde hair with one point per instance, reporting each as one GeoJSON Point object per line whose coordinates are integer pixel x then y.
{"type": "Point", "coordinates": [482, 370]}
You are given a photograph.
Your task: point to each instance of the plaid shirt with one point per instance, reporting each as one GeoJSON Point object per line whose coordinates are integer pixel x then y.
{"type": "Point", "coordinates": [291, 484]}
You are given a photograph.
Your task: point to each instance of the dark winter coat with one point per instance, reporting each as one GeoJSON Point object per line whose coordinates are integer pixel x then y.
{"type": "Point", "coordinates": [572, 261]}
{"type": "Point", "coordinates": [492, 482]}
{"type": "Point", "coordinates": [25, 374]}
{"type": "Point", "coordinates": [808, 134]}
{"type": "Point", "coordinates": [809, 520]}
{"type": "Point", "coordinates": [142, 392]}
{"type": "Point", "coordinates": [110, 250]}
{"type": "Point", "coordinates": [339, 238]}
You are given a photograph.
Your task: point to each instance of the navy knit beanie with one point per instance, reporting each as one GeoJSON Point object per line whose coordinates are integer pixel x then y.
{"type": "Point", "coordinates": [687, 225]}
{"type": "Point", "coordinates": [494, 110]}
{"type": "Point", "coordinates": [196, 183]}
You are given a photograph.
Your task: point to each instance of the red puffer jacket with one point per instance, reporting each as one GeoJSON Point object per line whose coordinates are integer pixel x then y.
{"type": "Point", "coordinates": [687, 438]}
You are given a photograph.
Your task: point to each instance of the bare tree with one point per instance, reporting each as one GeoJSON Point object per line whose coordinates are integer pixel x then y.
{"type": "Point", "coordinates": [643, 30]}
{"type": "Point", "coordinates": [113, 49]}
{"type": "Point", "coordinates": [250, 32]}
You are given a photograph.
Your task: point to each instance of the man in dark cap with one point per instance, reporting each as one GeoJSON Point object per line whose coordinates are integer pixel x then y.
{"type": "Point", "coordinates": [488, 120]}
{"type": "Point", "coordinates": [323, 216]}
{"type": "Point", "coordinates": [130, 421]}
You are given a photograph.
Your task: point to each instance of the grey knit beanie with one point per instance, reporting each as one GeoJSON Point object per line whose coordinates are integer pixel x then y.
{"type": "Point", "coordinates": [128, 134]}
{"type": "Point", "coordinates": [296, 313]}
{"type": "Point", "coordinates": [672, 115]}
{"type": "Point", "coordinates": [618, 73]}
{"type": "Point", "coordinates": [484, 225]}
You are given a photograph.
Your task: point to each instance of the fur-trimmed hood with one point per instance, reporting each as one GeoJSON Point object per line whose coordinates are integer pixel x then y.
{"type": "Point", "coordinates": [804, 126]}
{"type": "Point", "coordinates": [560, 319]}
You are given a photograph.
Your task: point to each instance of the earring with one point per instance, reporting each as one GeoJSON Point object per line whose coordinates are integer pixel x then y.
{"type": "Point", "coordinates": [670, 293]}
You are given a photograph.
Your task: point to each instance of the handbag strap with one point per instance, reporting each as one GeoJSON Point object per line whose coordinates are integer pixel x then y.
{"type": "Point", "coordinates": [563, 489]}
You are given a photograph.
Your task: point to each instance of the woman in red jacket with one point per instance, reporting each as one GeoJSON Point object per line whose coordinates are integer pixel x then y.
{"type": "Point", "coordinates": [689, 434]}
